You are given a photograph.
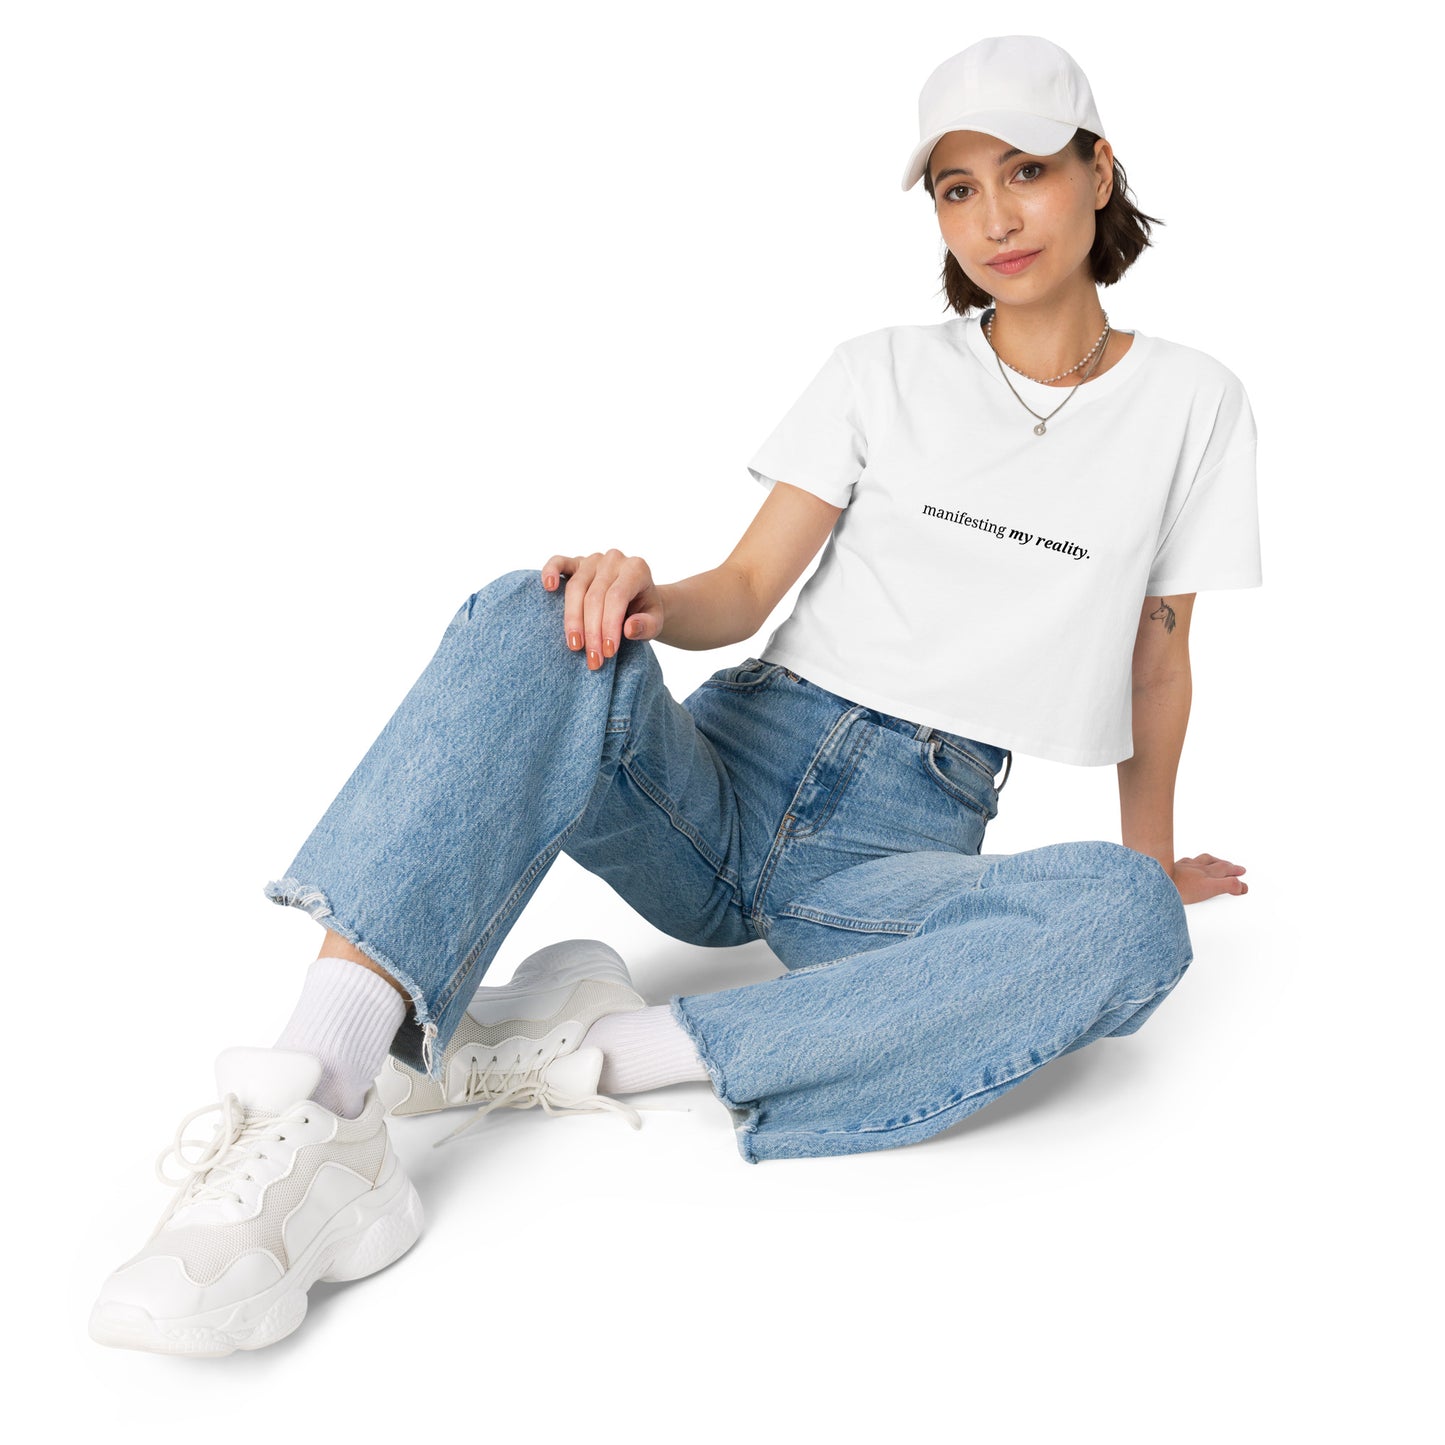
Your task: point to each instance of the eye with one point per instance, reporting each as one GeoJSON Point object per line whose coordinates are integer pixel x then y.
{"type": "Point", "coordinates": [1027, 166]}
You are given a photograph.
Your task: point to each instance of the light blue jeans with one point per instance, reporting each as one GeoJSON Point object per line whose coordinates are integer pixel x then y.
{"type": "Point", "coordinates": [923, 978]}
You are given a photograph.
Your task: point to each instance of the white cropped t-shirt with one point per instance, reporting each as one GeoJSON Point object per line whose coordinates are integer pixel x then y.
{"type": "Point", "coordinates": [988, 581]}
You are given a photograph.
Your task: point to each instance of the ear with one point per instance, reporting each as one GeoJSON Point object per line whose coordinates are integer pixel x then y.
{"type": "Point", "coordinates": [1103, 172]}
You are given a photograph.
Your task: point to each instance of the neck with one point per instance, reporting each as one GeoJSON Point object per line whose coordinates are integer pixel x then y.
{"type": "Point", "coordinates": [1045, 341]}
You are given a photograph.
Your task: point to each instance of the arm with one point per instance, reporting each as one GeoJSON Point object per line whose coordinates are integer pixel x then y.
{"type": "Point", "coordinates": [734, 599]}
{"type": "Point", "coordinates": [610, 595]}
{"type": "Point", "coordinates": [1163, 690]}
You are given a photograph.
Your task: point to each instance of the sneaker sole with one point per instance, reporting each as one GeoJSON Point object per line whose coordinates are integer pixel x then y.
{"type": "Point", "coordinates": [365, 1237]}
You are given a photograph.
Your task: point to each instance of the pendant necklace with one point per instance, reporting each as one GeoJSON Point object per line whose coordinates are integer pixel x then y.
{"type": "Point", "coordinates": [1095, 356]}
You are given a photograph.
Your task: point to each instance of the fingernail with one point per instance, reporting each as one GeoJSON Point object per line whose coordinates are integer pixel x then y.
{"type": "Point", "coordinates": [608, 647]}
{"type": "Point", "coordinates": [592, 659]}
{"type": "Point", "coordinates": [574, 640]}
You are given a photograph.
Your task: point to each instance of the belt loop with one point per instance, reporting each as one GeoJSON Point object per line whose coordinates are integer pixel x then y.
{"type": "Point", "coordinates": [923, 734]}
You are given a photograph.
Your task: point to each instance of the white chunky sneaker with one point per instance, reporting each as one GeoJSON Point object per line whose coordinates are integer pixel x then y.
{"type": "Point", "coordinates": [518, 1043]}
{"type": "Point", "coordinates": [285, 1193]}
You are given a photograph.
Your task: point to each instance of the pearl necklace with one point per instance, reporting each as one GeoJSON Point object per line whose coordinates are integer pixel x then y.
{"type": "Point", "coordinates": [1096, 352]}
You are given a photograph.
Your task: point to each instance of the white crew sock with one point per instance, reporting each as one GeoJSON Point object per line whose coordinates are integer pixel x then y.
{"type": "Point", "coordinates": [642, 1049]}
{"type": "Point", "coordinates": [347, 1016]}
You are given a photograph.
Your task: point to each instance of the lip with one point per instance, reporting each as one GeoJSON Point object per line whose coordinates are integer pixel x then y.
{"type": "Point", "coordinates": [1012, 262]}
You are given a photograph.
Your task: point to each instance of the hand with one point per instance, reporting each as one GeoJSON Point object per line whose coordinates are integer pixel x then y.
{"type": "Point", "coordinates": [1205, 876]}
{"type": "Point", "coordinates": [609, 596]}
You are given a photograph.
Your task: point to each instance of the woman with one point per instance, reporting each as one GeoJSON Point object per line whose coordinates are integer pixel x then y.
{"type": "Point", "coordinates": [1018, 508]}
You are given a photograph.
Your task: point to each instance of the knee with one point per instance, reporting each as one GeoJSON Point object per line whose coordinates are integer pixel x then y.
{"type": "Point", "coordinates": [513, 585]}
{"type": "Point", "coordinates": [1146, 876]}
{"type": "Point", "coordinates": [511, 613]}
{"type": "Point", "coordinates": [1116, 858]}
{"type": "Point", "coordinates": [1142, 901]}
{"type": "Point", "coordinates": [518, 596]}
{"type": "Point", "coordinates": [1140, 878]}
{"type": "Point", "coordinates": [1151, 899]}
{"type": "Point", "coordinates": [1138, 872]}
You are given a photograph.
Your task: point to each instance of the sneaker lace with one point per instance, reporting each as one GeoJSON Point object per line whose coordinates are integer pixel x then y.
{"type": "Point", "coordinates": [518, 1087]}
{"type": "Point", "coordinates": [222, 1161]}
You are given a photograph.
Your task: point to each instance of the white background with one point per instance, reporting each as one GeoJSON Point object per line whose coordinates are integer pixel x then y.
{"type": "Point", "coordinates": [319, 316]}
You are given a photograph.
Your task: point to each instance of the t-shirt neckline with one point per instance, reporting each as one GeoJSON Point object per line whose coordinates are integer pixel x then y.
{"type": "Point", "coordinates": [1036, 393]}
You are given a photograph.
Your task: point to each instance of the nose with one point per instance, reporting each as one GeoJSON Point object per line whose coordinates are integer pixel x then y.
{"type": "Point", "coordinates": [1000, 218]}
{"type": "Point", "coordinates": [1000, 228]}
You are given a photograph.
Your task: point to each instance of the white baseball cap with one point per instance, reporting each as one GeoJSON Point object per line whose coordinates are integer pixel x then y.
{"type": "Point", "coordinates": [1022, 88]}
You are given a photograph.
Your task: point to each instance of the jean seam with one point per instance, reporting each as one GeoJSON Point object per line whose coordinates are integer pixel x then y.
{"type": "Point", "coordinates": [926, 753]}
{"type": "Point", "coordinates": [1148, 998]}
{"type": "Point", "coordinates": [976, 762]}
{"type": "Point", "coordinates": [544, 858]}
{"type": "Point", "coordinates": [509, 904]}
{"type": "Point", "coordinates": [678, 821]}
{"type": "Point", "coordinates": [782, 836]}
{"type": "Point", "coordinates": [841, 958]}
{"type": "Point", "coordinates": [905, 926]}
{"type": "Point", "coordinates": [753, 685]}
{"type": "Point", "coordinates": [862, 737]}
{"type": "Point", "coordinates": [504, 911]}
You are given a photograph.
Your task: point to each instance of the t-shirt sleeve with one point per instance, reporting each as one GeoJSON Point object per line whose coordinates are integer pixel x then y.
{"type": "Point", "coordinates": [819, 445]}
{"type": "Point", "coordinates": [1210, 539]}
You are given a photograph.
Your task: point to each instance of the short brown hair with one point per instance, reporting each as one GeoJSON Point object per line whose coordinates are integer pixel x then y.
{"type": "Point", "coordinates": [1121, 232]}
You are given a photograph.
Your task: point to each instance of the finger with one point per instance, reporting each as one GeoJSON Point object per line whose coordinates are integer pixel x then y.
{"type": "Point", "coordinates": [614, 608]}
{"type": "Point", "coordinates": [594, 604]}
{"type": "Point", "coordinates": [555, 568]}
{"type": "Point", "coordinates": [642, 626]}
{"type": "Point", "coordinates": [1217, 886]}
{"type": "Point", "coordinates": [574, 608]}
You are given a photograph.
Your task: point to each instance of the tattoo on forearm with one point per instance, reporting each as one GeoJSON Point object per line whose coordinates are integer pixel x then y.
{"type": "Point", "coordinates": [1163, 613]}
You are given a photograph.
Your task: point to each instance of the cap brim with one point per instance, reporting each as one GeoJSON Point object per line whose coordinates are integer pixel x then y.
{"type": "Point", "coordinates": [1028, 132]}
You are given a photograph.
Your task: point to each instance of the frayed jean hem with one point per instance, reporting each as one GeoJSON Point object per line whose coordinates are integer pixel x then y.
{"type": "Point", "coordinates": [747, 1113]}
{"type": "Point", "coordinates": [756, 1144]}
{"type": "Point", "coordinates": [414, 1040]}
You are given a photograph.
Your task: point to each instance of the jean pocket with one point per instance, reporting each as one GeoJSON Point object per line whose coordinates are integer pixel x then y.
{"type": "Point", "coordinates": [746, 675]}
{"type": "Point", "coordinates": [965, 778]}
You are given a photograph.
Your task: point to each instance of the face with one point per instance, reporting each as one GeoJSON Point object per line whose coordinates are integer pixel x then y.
{"type": "Point", "coordinates": [1013, 200]}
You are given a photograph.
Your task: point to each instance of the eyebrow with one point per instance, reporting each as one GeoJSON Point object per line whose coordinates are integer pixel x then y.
{"type": "Point", "coordinates": [1007, 155]}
